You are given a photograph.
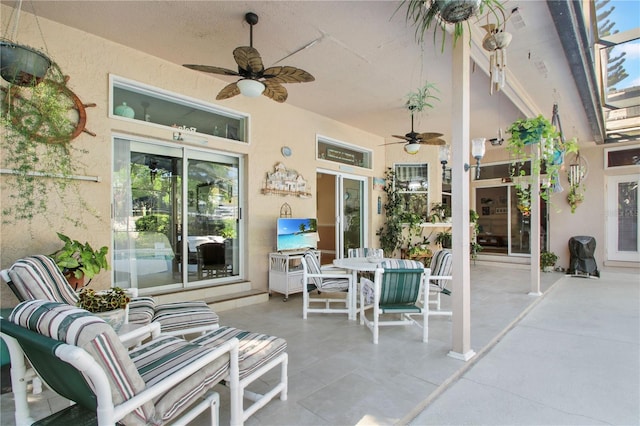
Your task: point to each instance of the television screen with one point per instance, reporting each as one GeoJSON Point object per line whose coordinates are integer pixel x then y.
{"type": "Point", "coordinates": [297, 234]}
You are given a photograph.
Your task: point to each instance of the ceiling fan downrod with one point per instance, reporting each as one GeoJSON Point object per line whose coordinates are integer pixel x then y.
{"type": "Point", "coordinates": [251, 19]}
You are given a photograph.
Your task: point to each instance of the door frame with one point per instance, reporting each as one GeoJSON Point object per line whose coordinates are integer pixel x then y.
{"type": "Point", "coordinates": [612, 218]}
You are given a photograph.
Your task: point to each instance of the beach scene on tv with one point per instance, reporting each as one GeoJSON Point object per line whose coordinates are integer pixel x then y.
{"type": "Point", "coordinates": [297, 234]}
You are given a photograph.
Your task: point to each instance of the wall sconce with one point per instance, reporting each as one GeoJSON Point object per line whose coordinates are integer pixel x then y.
{"type": "Point", "coordinates": [250, 88]}
{"type": "Point", "coordinates": [477, 150]}
{"type": "Point", "coordinates": [444, 159]}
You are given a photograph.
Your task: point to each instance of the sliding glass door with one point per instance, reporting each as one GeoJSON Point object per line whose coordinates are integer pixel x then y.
{"type": "Point", "coordinates": [176, 216]}
{"type": "Point", "coordinates": [623, 233]}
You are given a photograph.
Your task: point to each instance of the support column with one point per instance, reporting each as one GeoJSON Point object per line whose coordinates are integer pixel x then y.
{"type": "Point", "coordinates": [534, 225]}
{"type": "Point", "coordinates": [461, 297]}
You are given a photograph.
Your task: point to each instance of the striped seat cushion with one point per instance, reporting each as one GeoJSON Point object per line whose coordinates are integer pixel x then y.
{"type": "Point", "coordinates": [323, 284]}
{"type": "Point", "coordinates": [141, 310]}
{"type": "Point", "coordinates": [38, 277]}
{"type": "Point", "coordinates": [181, 315]}
{"type": "Point", "coordinates": [78, 327]}
{"type": "Point", "coordinates": [165, 356]}
{"type": "Point", "coordinates": [441, 265]}
{"type": "Point", "coordinates": [255, 349]}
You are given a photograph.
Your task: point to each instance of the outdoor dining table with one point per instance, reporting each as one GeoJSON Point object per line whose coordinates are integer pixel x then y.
{"type": "Point", "coordinates": [356, 265]}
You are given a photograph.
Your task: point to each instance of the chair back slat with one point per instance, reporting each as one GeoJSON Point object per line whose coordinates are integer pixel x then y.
{"type": "Point", "coordinates": [365, 252]}
{"type": "Point", "coordinates": [400, 286]}
{"type": "Point", "coordinates": [313, 267]}
{"type": "Point", "coordinates": [38, 277]}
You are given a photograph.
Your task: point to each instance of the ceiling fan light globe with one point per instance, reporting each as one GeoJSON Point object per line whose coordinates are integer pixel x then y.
{"type": "Point", "coordinates": [412, 148]}
{"type": "Point", "coordinates": [250, 88]}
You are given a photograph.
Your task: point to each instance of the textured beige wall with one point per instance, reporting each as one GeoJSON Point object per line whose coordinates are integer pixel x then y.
{"type": "Point", "coordinates": [89, 60]}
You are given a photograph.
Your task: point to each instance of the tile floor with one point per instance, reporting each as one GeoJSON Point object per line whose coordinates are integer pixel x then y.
{"type": "Point", "coordinates": [338, 377]}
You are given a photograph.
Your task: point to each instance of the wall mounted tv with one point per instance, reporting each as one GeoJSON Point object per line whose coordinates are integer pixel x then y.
{"type": "Point", "coordinates": [297, 234]}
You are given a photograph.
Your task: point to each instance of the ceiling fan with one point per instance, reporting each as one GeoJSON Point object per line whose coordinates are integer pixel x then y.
{"type": "Point", "coordinates": [412, 140]}
{"type": "Point", "coordinates": [256, 80]}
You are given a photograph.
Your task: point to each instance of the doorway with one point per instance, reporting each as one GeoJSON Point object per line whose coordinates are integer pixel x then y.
{"type": "Point", "coordinates": [341, 211]}
{"type": "Point", "coordinates": [623, 233]}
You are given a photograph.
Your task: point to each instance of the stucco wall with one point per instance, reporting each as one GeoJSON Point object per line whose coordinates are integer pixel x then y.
{"type": "Point", "coordinates": [89, 60]}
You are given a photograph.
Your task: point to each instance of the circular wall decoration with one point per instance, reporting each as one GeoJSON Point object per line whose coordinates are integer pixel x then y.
{"type": "Point", "coordinates": [286, 151]}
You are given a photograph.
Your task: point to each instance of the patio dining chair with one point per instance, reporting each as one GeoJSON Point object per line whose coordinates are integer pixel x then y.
{"type": "Point", "coordinates": [441, 267]}
{"type": "Point", "coordinates": [316, 279]}
{"type": "Point", "coordinates": [365, 252]}
{"type": "Point", "coordinates": [212, 261]}
{"type": "Point", "coordinates": [82, 359]}
{"type": "Point", "coordinates": [38, 277]}
{"type": "Point", "coordinates": [395, 293]}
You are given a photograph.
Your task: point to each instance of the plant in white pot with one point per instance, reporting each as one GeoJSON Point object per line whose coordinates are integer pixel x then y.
{"type": "Point", "coordinates": [110, 305]}
{"type": "Point", "coordinates": [548, 260]}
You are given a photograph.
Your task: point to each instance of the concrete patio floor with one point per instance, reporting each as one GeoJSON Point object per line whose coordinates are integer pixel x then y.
{"type": "Point", "coordinates": [338, 377]}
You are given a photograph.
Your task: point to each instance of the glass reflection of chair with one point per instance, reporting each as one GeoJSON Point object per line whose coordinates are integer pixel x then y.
{"type": "Point", "coordinates": [396, 292]}
{"type": "Point", "coordinates": [211, 261]}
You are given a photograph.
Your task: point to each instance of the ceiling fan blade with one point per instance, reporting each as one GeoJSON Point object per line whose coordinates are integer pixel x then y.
{"type": "Point", "coordinates": [286, 74]}
{"type": "Point", "coordinates": [228, 91]}
{"type": "Point", "coordinates": [275, 91]}
{"type": "Point", "coordinates": [401, 137]}
{"type": "Point", "coordinates": [436, 141]}
{"type": "Point", "coordinates": [211, 69]}
{"type": "Point", "coordinates": [427, 136]}
{"type": "Point", "coordinates": [249, 60]}
{"type": "Point", "coordinates": [394, 143]}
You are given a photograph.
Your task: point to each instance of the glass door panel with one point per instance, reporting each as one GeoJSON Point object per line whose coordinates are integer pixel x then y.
{"type": "Point", "coordinates": [493, 223]}
{"type": "Point", "coordinates": [520, 226]}
{"type": "Point", "coordinates": [623, 232]}
{"type": "Point", "coordinates": [352, 213]}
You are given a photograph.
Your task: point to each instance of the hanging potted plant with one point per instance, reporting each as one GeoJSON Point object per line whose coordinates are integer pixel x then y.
{"type": "Point", "coordinates": [78, 261]}
{"type": "Point", "coordinates": [574, 198]}
{"type": "Point", "coordinates": [436, 14]}
{"type": "Point", "coordinates": [22, 65]}
{"type": "Point", "coordinates": [529, 132]}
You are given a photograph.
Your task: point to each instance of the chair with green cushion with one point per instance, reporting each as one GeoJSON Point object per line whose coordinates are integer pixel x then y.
{"type": "Point", "coordinates": [81, 358]}
{"type": "Point", "coordinates": [397, 294]}
{"type": "Point", "coordinates": [38, 277]}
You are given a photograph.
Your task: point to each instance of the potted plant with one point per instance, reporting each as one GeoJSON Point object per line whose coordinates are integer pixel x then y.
{"type": "Point", "coordinates": [110, 305]}
{"type": "Point", "coordinates": [548, 260]}
{"type": "Point", "coordinates": [78, 261]}
{"type": "Point", "coordinates": [438, 13]}
{"type": "Point", "coordinates": [531, 131]}
{"type": "Point", "coordinates": [443, 238]}
{"type": "Point", "coordinates": [22, 65]}
{"type": "Point", "coordinates": [575, 197]}
{"type": "Point", "coordinates": [440, 213]}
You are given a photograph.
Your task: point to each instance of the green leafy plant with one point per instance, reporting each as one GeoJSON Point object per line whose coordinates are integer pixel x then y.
{"type": "Point", "coordinates": [440, 212]}
{"type": "Point", "coordinates": [533, 131]}
{"type": "Point", "coordinates": [575, 197]}
{"type": "Point", "coordinates": [422, 98]}
{"type": "Point", "coordinates": [443, 239]}
{"type": "Point", "coordinates": [37, 127]}
{"type": "Point", "coordinates": [80, 260]}
{"type": "Point", "coordinates": [427, 14]}
{"type": "Point", "coordinates": [548, 259]}
{"type": "Point", "coordinates": [103, 301]}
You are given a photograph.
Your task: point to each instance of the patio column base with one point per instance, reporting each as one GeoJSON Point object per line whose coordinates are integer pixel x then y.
{"type": "Point", "coordinates": [463, 357]}
{"type": "Point", "coordinates": [534, 293]}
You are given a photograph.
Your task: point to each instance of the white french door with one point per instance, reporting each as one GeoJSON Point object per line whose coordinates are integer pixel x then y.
{"type": "Point", "coordinates": [623, 234]}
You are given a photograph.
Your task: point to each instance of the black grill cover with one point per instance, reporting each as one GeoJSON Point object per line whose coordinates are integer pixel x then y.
{"type": "Point", "coordinates": [582, 262]}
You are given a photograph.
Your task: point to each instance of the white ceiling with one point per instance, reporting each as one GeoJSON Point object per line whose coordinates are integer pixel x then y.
{"type": "Point", "coordinates": [365, 59]}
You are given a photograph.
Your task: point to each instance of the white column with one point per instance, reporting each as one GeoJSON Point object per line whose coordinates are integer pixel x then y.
{"type": "Point", "coordinates": [534, 225]}
{"type": "Point", "coordinates": [460, 141]}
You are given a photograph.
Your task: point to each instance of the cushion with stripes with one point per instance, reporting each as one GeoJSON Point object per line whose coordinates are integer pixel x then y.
{"type": "Point", "coordinates": [38, 277]}
{"type": "Point", "coordinates": [441, 265]}
{"type": "Point", "coordinates": [183, 315]}
{"type": "Point", "coordinates": [365, 252]}
{"type": "Point", "coordinates": [78, 327]}
{"type": "Point", "coordinates": [167, 355]}
{"type": "Point", "coordinates": [141, 310]}
{"type": "Point", "coordinates": [254, 350]}
{"type": "Point", "coordinates": [324, 284]}
{"type": "Point", "coordinates": [400, 286]}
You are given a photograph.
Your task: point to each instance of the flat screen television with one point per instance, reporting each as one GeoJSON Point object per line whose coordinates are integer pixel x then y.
{"type": "Point", "coordinates": [297, 234]}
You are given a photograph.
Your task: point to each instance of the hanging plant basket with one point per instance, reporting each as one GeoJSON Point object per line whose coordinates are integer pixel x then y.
{"type": "Point", "coordinates": [453, 11]}
{"type": "Point", "coordinates": [22, 65]}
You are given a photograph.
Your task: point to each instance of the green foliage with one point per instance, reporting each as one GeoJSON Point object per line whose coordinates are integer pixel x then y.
{"type": "Point", "coordinates": [103, 301]}
{"type": "Point", "coordinates": [443, 239]}
{"type": "Point", "coordinates": [548, 259]}
{"type": "Point", "coordinates": [155, 223]}
{"type": "Point", "coordinates": [426, 14]}
{"type": "Point", "coordinates": [36, 131]}
{"type": "Point", "coordinates": [574, 198]}
{"type": "Point", "coordinates": [422, 98]}
{"type": "Point", "coordinates": [440, 212]}
{"type": "Point", "coordinates": [533, 131]}
{"type": "Point", "coordinates": [391, 233]}
{"type": "Point", "coordinates": [80, 259]}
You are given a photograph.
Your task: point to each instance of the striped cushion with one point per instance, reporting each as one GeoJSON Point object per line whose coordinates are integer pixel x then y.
{"type": "Point", "coordinates": [38, 277]}
{"type": "Point", "coordinates": [165, 356]}
{"type": "Point", "coordinates": [181, 315]}
{"type": "Point", "coordinates": [141, 310]}
{"type": "Point", "coordinates": [441, 265]}
{"type": "Point", "coordinates": [255, 349]}
{"type": "Point", "coordinates": [365, 252]}
{"type": "Point", "coordinates": [80, 328]}
{"type": "Point", "coordinates": [324, 284]}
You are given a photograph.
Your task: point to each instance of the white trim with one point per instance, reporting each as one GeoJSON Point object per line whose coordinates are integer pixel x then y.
{"type": "Point", "coordinates": [619, 148]}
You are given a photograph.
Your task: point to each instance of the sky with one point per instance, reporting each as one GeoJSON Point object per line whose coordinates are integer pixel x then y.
{"type": "Point", "coordinates": [626, 15]}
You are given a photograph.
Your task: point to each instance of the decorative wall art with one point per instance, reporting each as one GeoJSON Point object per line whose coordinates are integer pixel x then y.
{"type": "Point", "coordinates": [378, 184]}
{"type": "Point", "coordinates": [285, 182]}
